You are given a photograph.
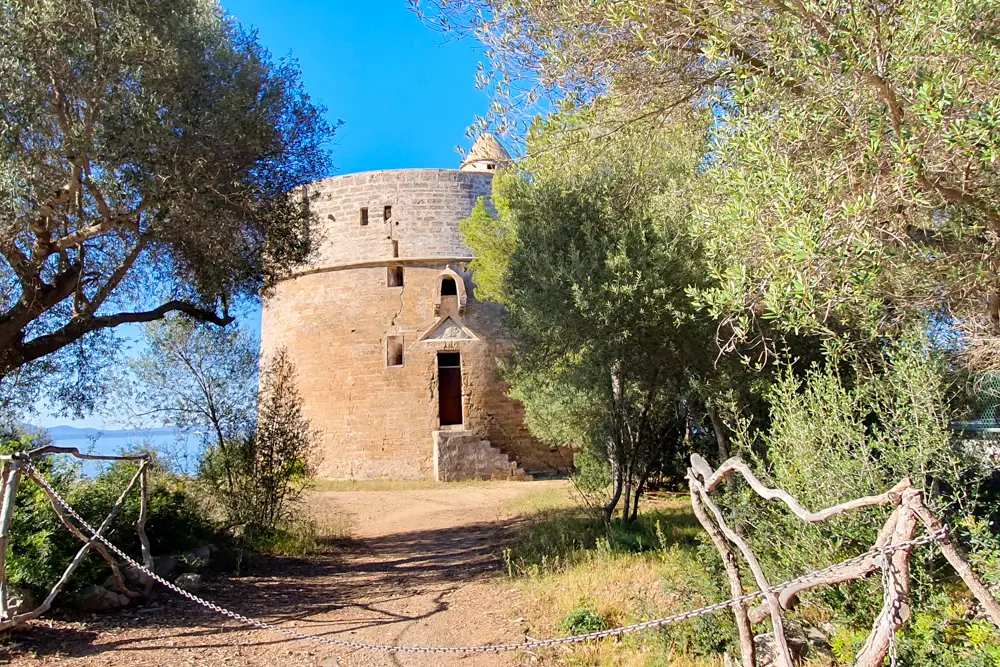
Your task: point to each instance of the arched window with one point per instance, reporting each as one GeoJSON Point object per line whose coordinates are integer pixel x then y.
{"type": "Point", "coordinates": [451, 291]}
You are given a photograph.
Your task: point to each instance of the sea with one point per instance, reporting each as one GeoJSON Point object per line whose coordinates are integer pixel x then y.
{"type": "Point", "coordinates": [179, 450]}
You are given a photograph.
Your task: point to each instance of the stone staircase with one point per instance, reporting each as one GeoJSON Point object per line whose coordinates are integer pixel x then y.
{"type": "Point", "coordinates": [463, 455]}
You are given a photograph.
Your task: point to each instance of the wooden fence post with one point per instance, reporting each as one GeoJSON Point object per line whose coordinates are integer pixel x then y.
{"type": "Point", "coordinates": [11, 480]}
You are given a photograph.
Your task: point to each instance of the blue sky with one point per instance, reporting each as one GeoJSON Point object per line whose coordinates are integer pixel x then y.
{"type": "Point", "coordinates": [406, 94]}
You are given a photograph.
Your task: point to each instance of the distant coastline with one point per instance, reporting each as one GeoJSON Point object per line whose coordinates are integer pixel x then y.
{"type": "Point", "coordinates": [180, 449]}
{"type": "Point", "coordinates": [74, 433]}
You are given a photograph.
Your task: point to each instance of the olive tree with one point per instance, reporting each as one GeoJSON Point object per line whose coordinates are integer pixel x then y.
{"type": "Point", "coordinates": [150, 155]}
{"type": "Point", "coordinates": [196, 377]}
{"type": "Point", "coordinates": [853, 181]}
{"type": "Point", "coordinates": [591, 252]}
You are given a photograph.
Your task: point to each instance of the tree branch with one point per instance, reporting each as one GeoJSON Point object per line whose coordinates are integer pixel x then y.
{"type": "Point", "coordinates": [22, 353]}
{"type": "Point", "coordinates": [713, 479]}
{"type": "Point", "coordinates": [115, 279]}
{"type": "Point", "coordinates": [90, 231]}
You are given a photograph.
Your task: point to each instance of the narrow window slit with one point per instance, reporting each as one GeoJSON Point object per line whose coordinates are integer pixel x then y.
{"type": "Point", "coordinates": [364, 216]}
{"type": "Point", "coordinates": [394, 276]}
{"type": "Point", "coordinates": [394, 351]}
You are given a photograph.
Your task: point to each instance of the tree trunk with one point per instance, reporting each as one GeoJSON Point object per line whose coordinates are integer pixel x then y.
{"type": "Point", "coordinates": [615, 442]}
{"type": "Point", "coordinates": [609, 509]}
{"type": "Point", "coordinates": [11, 479]}
{"type": "Point", "coordinates": [635, 503]}
{"type": "Point", "coordinates": [721, 439]}
{"type": "Point", "coordinates": [627, 505]}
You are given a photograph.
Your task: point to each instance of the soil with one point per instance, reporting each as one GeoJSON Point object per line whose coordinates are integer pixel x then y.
{"type": "Point", "coordinates": [423, 568]}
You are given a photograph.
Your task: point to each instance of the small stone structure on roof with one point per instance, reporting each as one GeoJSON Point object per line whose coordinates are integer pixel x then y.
{"type": "Point", "coordinates": [487, 154]}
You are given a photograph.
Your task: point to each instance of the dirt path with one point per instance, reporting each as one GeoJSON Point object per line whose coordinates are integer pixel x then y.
{"type": "Point", "coordinates": [423, 570]}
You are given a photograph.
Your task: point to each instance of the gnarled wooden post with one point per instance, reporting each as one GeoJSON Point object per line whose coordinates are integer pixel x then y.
{"type": "Point", "coordinates": [11, 478]}
{"type": "Point", "coordinates": [732, 570]}
{"type": "Point", "coordinates": [11, 475]}
{"type": "Point", "coordinates": [899, 529]}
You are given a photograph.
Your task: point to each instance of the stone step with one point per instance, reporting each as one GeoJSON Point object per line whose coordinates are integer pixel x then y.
{"type": "Point", "coordinates": [463, 455]}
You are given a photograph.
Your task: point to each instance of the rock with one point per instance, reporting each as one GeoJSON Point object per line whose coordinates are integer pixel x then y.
{"type": "Point", "coordinates": [164, 565]}
{"type": "Point", "coordinates": [20, 600]}
{"type": "Point", "coordinates": [197, 559]}
{"type": "Point", "coordinates": [98, 598]}
{"type": "Point", "coordinates": [330, 662]}
{"type": "Point", "coordinates": [133, 576]}
{"type": "Point", "coordinates": [766, 647]}
{"type": "Point", "coordinates": [190, 582]}
{"type": "Point", "coordinates": [112, 585]}
{"type": "Point", "coordinates": [817, 636]}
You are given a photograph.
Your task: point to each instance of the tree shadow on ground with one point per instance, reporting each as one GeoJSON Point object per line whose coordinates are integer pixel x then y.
{"type": "Point", "coordinates": [360, 585]}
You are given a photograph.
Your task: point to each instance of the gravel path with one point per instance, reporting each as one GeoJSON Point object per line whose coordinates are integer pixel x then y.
{"type": "Point", "coordinates": [422, 570]}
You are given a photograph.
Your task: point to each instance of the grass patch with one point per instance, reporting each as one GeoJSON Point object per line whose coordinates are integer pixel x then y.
{"type": "Point", "coordinates": [305, 537]}
{"type": "Point", "coordinates": [538, 501]}
{"type": "Point", "coordinates": [581, 573]}
{"type": "Point", "coordinates": [560, 533]}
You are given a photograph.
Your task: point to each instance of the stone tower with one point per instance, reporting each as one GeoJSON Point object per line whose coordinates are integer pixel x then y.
{"type": "Point", "coordinates": [396, 360]}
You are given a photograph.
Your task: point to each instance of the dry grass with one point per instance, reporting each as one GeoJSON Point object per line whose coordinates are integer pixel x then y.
{"type": "Point", "coordinates": [534, 503]}
{"type": "Point", "coordinates": [354, 485]}
{"type": "Point", "coordinates": [565, 559]}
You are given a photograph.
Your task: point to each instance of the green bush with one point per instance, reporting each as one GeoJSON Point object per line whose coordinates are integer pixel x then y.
{"type": "Point", "coordinates": [583, 620]}
{"type": "Point", "coordinates": [592, 473]}
{"type": "Point", "coordinates": [41, 547]}
{"type": "Point", "coordinates": [844, 430]}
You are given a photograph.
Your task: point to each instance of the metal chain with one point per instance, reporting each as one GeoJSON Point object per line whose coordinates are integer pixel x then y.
{"type": "Point", "coordinates": [890, 602]}
{"type": "Point", "coordinates": [489, 648]}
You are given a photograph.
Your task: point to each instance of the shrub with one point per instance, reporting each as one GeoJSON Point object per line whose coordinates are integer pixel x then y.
{"type": "Point", "coordinates": [583, 620]}
{"type": "Point", "coordinates": [41, 547]}
{"type": "Point", "coordinates": [258, 479]}
{"type": "Point", "coordinates": [840, 431]}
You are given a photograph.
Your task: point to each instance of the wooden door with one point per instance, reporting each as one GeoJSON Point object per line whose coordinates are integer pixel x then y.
{"type": "Point", "coordinates": [449, 388]}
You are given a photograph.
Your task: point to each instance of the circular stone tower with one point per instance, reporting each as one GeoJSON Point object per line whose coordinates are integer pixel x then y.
{"type": "Point", "coordinates": [395, 358]}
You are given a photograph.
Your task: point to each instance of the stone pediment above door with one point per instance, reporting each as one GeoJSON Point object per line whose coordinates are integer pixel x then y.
{"type": "Point", "coordinates": [448, 329]}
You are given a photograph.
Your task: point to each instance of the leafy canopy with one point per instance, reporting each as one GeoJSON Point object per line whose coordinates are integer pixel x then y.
{"type": "Point", "coordinates": [149, 153]}
{"type": "Point", "coordinates": [591, 251]}
{"type": "Point", "coordinates": [853, 180]}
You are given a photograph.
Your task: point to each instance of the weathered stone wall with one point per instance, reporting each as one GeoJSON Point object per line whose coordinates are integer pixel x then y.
{"type": "Point", "coordinates": [427, 205]}
{"type": "Point", "coordinates": [377, 420]}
